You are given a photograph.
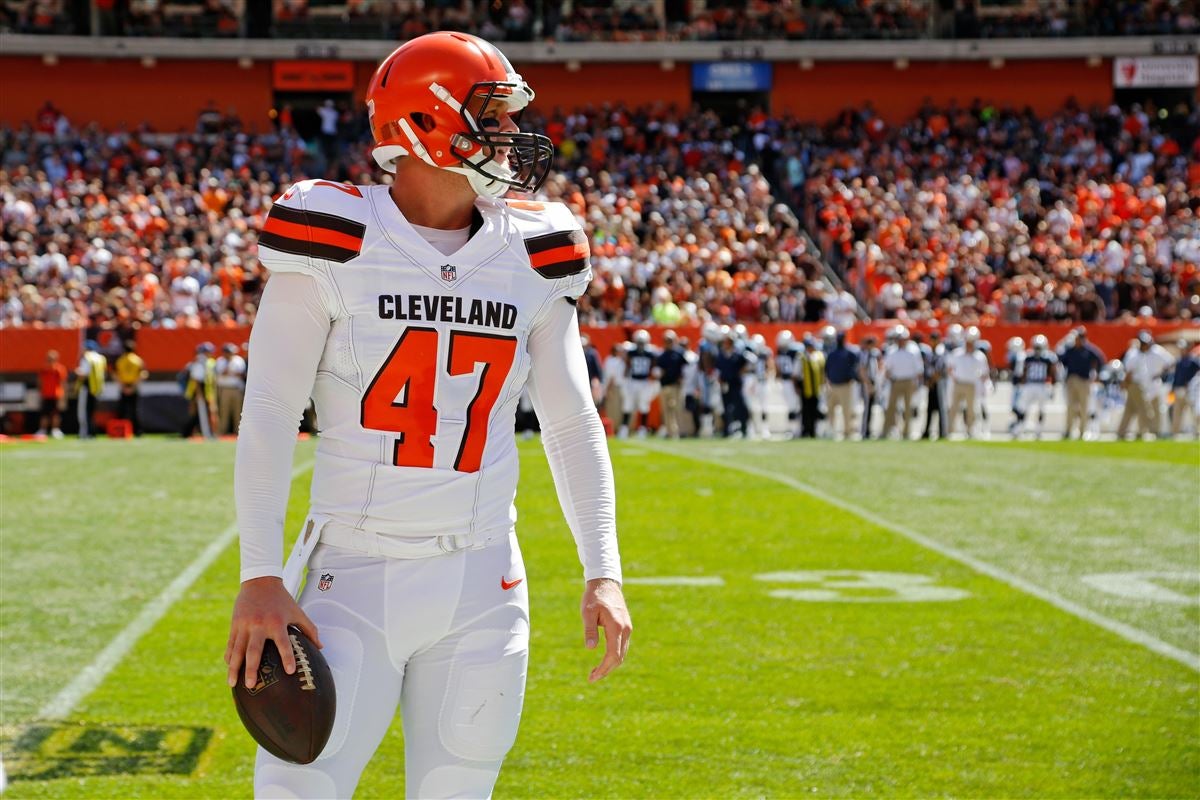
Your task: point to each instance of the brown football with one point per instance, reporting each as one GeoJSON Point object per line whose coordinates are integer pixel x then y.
{"type": "Point", "coordinates": [291, 716]}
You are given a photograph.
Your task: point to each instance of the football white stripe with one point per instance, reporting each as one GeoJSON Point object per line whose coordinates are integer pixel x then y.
{"type": "Point", "coordinates": [1125, 631]}
{"type": "Point", "coordinates": [104, 663]}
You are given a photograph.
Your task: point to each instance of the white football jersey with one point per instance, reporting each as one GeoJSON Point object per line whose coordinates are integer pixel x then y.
{"type": "Point", "coordinates": [427, 354]}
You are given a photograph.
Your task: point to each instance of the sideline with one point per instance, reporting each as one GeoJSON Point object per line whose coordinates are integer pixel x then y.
{"type": "Point", "coordinates": [1124, 630]}
{"type": "Point", "coordinates": [104, 663]}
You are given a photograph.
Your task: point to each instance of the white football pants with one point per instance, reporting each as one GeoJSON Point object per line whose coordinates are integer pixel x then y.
{"type": "Point", "coordinates": [441, 638]}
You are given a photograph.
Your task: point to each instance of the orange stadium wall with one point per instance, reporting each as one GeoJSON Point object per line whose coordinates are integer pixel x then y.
{"type": "Point", "coordinates": [113, 92]}
{"type": "Point", "coordinates": [170, 93]}
{"type": "Point", "coordinates": [23, 350]}
{"type": "Point", "coordinates": [829, 87]}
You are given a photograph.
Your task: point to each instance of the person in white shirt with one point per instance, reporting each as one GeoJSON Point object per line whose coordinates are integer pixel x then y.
{"type": "Point", "coordinates": [614, 385]}
{"type": "Point", "coordinates": [967, 368]}
{"type": "Point", "coordinates": [1145, 366]}
{"type": "Point", "coordinates": [841, 310]}
{"type": "Point", "coordinates": [904, 367]}
{"type": "Point", "coordinates": [231, 388]}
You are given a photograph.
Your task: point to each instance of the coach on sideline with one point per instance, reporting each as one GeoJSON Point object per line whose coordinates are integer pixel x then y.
{"type": "Point", "coordinates": [1082, 361]}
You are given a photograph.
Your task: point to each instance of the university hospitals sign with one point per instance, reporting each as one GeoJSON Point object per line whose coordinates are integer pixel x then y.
{"type": "Point", "coordinates": [1158, 72]}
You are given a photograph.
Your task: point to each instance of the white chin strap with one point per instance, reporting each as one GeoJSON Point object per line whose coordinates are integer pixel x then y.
{"type": "Point", "coordinates": [482, 184]}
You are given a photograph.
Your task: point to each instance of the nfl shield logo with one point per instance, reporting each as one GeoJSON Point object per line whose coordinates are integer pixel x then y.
{"type": "Point", "coordinates": [326, 581]}
{"type": "Point", "coordinates": [449, 273]}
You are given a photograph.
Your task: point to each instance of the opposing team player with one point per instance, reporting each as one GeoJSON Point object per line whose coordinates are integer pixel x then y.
{"type": "Point", "coordinates": [415, 314]}
{"type": "Point", "coordinates": [1014, 357]}
{"type": "Point", "coordinates": [1037, 378]}
{"type": "Point", "coordinates": [756, 386]}
{"type": "Point", "coordinates": [641, 384]}
{"type": "Point", "coordinates": [786, 354]}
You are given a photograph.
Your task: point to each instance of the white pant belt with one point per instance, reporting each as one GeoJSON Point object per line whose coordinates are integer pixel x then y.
{"type": "Point", "coordinates": [375, 544]}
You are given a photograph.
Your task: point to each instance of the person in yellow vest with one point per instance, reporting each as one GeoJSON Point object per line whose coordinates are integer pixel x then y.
{"type": "Point", "coordinates": [89, 382]}
{"type": "Point", "coordinates": [201, 392]}
{"type": "Point", "coordinates": [130, 371]}
{"type": "Point", "coordinates": [810, 379]}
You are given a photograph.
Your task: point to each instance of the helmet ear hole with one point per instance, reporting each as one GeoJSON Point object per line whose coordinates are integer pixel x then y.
{"type": "Point", "coordinates": [423, 121]}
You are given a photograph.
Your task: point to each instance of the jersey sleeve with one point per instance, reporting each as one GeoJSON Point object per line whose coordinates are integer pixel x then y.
{"type": "Point", "coordinates": [573, 438]}
{"type": "Point", "coordinates": [285, 348]}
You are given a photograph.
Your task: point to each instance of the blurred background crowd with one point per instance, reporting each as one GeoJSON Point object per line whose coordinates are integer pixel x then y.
{"type": "Point", "coordinates": [969, 214]}
{"type": "Point", "coordinates": [601, 20]}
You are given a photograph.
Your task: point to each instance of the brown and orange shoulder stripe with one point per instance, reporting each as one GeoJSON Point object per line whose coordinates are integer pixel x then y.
{"type": "Point", "coordinates": [558, 254]}
{"type": "Point", "coordinates": [312, 233]}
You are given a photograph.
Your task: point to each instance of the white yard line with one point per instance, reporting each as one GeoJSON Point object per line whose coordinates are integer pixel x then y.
{"type": "Point", "coordinates": [104, 663]}
{"type": "Point", "coordinates": [677, 580]}
{"type": "Point", "coordinates": [1124, 630]}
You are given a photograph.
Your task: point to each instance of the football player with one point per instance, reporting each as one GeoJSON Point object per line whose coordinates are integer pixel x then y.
{"type": "Point", "coordinates": [414, 314]}
{"type": "Point", "coordinates": [786, 353]}
{"type": "Point", "coordinates": [1014, 357]}
{"type": "Point", "coordinates": [1037, 375]}
{"type": "Point", "coordinates": [641, 383]}
{"type": "Point", "coordinates": [755, 387]}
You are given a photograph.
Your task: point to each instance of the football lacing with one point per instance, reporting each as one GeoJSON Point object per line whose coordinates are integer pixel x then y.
{"type": "Point", "coordinates": [302, 666]}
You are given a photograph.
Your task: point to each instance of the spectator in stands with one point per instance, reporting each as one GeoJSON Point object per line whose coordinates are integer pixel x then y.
{"type": "Point", "coordinates": [89, 383]}
{"type": "Point", "coordinates": [52, 382]}
{"type": "Point", "coordinates": [231, 389]}
{"type": "Point", "coordinates": [130, 371]}
{"type": "Point", "coordinates": [1081, 361]}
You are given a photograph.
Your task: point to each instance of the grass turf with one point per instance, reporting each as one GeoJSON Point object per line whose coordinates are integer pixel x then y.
{"type": "Point", "coordinates": [730, 690]}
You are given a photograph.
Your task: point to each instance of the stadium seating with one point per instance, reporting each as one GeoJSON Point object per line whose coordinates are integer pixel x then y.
{"type": "Point", "coordinates": [941, 218]}
{"type": "Point", "coordinates": [985, 214]}
{"type": "Point", "coordinates": [592, 20]}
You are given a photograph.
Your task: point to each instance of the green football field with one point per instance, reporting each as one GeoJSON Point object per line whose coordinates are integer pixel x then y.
{"type": "Point", "coordinates": [810, 619]}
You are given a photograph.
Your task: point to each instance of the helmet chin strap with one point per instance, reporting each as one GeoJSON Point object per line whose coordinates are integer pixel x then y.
{"type": "Point", "coordinates": [482, 184]}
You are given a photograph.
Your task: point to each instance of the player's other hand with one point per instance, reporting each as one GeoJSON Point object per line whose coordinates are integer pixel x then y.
{"type": "Point", "coordinates": [603, 607]}
{"type": "Point", "coordinates": [263, 611]}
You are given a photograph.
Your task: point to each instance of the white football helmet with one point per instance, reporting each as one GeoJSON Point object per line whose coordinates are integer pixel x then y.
{"type": "Point", "coordinates": [641, 336]}
{"type": "Point", "coordinates": [784, 339]}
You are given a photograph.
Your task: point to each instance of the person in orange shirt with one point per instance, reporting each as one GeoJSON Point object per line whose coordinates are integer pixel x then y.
{"type": "Point", "coordinates": [52, 381]}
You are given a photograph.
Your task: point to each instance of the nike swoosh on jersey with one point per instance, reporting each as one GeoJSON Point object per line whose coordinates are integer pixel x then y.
{"type": "Point", "coordinates": [558, 254]}
{"type": "Point", "coordinates": [312, 233]}
{"type": "Point", "coordinates": [505, 585]}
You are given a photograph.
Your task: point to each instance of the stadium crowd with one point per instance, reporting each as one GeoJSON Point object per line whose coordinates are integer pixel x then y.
{"type": "Point", "coordinates": [603, 20]}
{"type": "Point", "coordinates": [965, 215]}
{"type": "Point", "coordinates": [989, 214]}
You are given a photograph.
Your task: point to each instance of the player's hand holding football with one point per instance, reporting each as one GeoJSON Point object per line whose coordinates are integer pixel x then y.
{"type": "Point", "coordinates": [263, 611]}
{"type": "Point", "coordinates": [603, 606]}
